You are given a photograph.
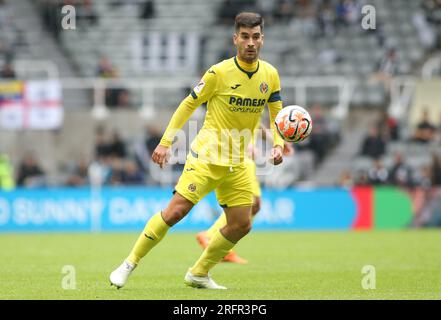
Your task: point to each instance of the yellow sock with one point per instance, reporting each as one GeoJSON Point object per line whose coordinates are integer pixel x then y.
{"type": "Point", "coordinates": [154, 231]}
{"type": "Point", "coordinates": [218, 224]}
{"type": "Point", "coordinates": [217, 249]}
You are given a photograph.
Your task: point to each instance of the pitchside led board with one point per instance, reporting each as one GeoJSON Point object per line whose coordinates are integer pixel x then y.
{"type": "Point", "coordinates": [128, 209]}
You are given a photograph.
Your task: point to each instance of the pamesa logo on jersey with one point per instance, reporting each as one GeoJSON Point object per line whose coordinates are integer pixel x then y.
{"type": "Point", "coordinates": [246, 102]}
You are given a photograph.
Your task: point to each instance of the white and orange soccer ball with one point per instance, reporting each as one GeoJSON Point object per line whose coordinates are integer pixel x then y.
{"type": "Point", "coordinates": [293, 123]}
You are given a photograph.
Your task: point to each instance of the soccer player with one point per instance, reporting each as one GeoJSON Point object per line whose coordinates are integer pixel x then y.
{"type": "Point", "coordinates": [204, 237]}
{"type": "Point", "coordinates": [237, 90]}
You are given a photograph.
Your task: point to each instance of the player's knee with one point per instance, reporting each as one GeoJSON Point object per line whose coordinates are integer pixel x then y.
{"type": "Point", "coordinates": [247, 228]}
{"type": "Point", "coordinates": [173, 215]}
{"type": "Point", "coordinates": [256, 208]}
{"type": "Point", "coordinates": [243, 227]}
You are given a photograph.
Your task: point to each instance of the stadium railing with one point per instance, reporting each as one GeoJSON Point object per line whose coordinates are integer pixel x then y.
{"type": "Point", "coordinates": [298, 85]}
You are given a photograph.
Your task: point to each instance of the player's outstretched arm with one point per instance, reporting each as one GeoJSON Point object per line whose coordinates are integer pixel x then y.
{"type": "Point", "coordinates": [274, 106]}
{"type": "Point", "coordinates": [201, 93]}
{"type": "Point", "coordinates": [278, 142]}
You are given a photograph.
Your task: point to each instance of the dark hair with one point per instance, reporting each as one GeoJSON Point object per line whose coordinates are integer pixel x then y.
{"type": "Point", "coordinates": [248, 20]}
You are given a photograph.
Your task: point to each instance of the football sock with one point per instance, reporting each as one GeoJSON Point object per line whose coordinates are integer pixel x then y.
{"type": "Point", "coordinates": [218, 224]}
{"type": "Point", "coordinates": [154, 231]}
{"type": "Point", "coordinates": [218, 247]}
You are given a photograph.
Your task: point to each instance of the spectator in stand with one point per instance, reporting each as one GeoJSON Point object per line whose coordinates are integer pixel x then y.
{"type": "Point", "coordinates": [400, 174]}
{"type": "Point", "coordinates": [117, 147]}
{"type": "Point", "coordinates": [228, 10]}
{"type": "Point", "coordinates": [30, 173]}
{"type": "Point", "coordinates": [131, 175]}
{"type": "Point", "coordinates": [438, 138]}
{"type": "Point", "coordinates": [105, 68]}
{"type": "Point", "coordinates": [153, 138]}
{"type": "Point", "coordinates": [7, 181]}
{"type": "Point", "coordinates": [386, 69]}
{"type": "Point", "coordinates": [432, 10]}
{"type": "Point", "coordinates": [326, 19]}
{"type": "Point", "coordinates": [284, 11]}
{"type": "Point", "coordinates": [6, 51]}
{"type": "Point", "coordinates": [78, 173]}
{"type": "Point", "coordinates": [147, 9]}
{"type": "Point", "coordinates": [374, 145]}
{"type": "Point", "coordinates": [116, 171]}
{"type": "Point", "coordinates": [346, 180]}
{"type": "Point", "coordinates": [86, 15]}
{"type": "Point", "coordinates": [378, 174]}
{"type": "Point", "coordinates": [320, 138]}
{"type": "Point", "coordinates": [306, 15]}
{"type": "Point", "coordinates": [425, 131]}
{"type": "Point", "coordinates": [7, 72]}
{"type": "Point", "coordinates": [436, 169]}
{"type": "Point", "coordinates": [389, 126]}
{"type": "Point", "coordinates": [424, 177]}
{"type": "Point", "coordinates": [102, 148]}
{"type": "Point", "coordinates": [362, 178]}
{"type": "Point", "coordinates": [101, 170]}
{"type": "Point", "coordinates": [115, 97]}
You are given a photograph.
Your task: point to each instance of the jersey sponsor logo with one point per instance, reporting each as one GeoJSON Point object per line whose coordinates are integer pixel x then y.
{"type": "Point", "coordinates": [263, 87]}
{"type": "Point", "coordinates": [246, 109]}
{"type": "Point", "coordinates": [236, 86]}
{"type": "Point", "coordinates": [199, 86]}
{"type": "Point", "coordinates": [247, 102]}
{"type": "Point", "coordinates": [211, 71]}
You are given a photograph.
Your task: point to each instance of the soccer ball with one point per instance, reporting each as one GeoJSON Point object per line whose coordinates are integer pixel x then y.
{"type": "Point", "coordinates": [293, 123]}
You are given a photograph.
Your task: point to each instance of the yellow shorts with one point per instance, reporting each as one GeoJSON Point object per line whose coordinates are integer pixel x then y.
{"type": "Point", "coordinates": [251, 167]}
{"type": "Point", "coordinates": [233, 185]}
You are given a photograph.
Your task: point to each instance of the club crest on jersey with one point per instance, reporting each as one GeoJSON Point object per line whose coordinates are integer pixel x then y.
{"type": "Point", "coordinates": [263, 87]}
{"type": "Point", "coordinates": [199, 86]}
{"type": "Point", "coordinates": [192, 187]}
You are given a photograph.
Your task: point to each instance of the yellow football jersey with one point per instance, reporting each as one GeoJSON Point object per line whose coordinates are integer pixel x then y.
{"type": "Point", "coordinates": [236, 94]}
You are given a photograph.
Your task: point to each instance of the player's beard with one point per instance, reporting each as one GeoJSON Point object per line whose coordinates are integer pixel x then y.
{"type": "Point", "coordinates": [249, 56]}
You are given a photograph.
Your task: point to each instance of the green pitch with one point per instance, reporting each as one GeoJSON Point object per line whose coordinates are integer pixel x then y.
{"type": "Point", "coordinates": [294, 265]}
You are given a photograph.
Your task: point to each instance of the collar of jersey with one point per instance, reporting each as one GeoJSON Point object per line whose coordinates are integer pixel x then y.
{"type": "Point", "coordinates": [243, 66]}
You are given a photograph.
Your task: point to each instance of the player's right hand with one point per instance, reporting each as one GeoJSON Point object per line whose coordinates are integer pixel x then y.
{"type": "Point", "coordinates": [288, 149]}
{"type": "Point", "coordinates": [161, 155]}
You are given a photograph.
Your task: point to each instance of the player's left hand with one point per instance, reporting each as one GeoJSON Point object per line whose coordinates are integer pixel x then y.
{"type": "Point", "coordinates": [161, 155]}
{"type": "Point", "coordinates": [277, 155]}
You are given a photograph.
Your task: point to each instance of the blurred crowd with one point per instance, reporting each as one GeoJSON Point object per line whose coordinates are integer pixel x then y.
{"type": "Point", "coordinates": [325, 136]}
{"type": "Point", "coordinates": [127, 161]}
{"type": "Point", "coordinates": [321, 17]}
{"type": "Point", "coordinates": [86, 13]}
{"type": "Point", "coordinates": [9, 44]}
{"type": "Point", "coordinates": [114, 162]}
{"type": "Point", "coordinates": [421, 146]}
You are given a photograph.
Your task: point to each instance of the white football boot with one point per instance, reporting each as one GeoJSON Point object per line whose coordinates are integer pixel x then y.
{"type": "Point", "coordinates": [201, 282]}
{"type": "Point", "coordinates": [119, 276]}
